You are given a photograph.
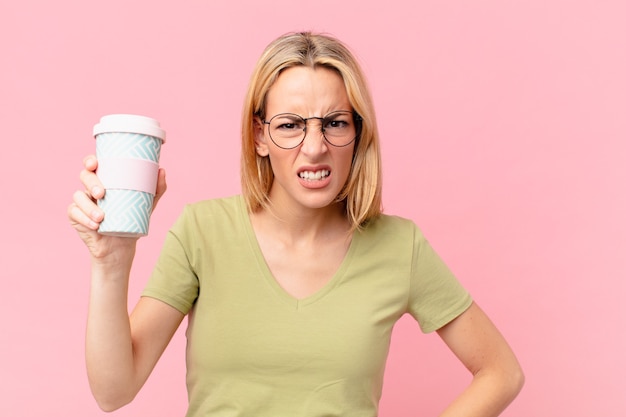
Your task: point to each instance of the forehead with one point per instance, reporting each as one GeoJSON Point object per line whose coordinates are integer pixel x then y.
{"type": "Point", "coordinates": [307, 91]}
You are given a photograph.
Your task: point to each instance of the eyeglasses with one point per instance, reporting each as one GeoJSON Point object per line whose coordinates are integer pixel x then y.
{"type": "Point", "coordinates": [340, 128]}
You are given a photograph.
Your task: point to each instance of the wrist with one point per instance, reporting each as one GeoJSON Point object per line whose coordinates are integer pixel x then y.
{"type": "Point", "coordinates": [117, 254]}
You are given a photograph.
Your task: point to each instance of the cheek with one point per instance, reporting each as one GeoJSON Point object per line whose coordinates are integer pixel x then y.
{"type": "Point", "coordinates": [280, 160]}
{"type": "Point", "coordinates": [345, 163]}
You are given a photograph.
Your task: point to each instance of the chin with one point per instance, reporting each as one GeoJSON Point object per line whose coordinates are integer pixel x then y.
{"type": "Point", "coordinates": [320, 202]}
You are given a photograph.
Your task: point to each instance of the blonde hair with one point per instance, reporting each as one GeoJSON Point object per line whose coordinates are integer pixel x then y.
{"type": "Point", "coordinates": [362, 191]}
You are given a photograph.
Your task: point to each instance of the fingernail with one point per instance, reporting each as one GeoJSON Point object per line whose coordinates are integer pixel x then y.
{"type": "Point", "coordinates": [96, 191]}
{"type": "Point", "coordinates": [96, 215]}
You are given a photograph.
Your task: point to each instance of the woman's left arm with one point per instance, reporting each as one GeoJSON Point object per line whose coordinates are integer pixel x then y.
{"type": "Point", "coordinates": [497, 375]}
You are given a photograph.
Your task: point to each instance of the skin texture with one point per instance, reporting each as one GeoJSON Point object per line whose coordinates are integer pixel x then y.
{"type": "Point", "coordinates": [121, 350]}
{"type": "Point", "coordinates": [305, 224]}
{"type": "Point", "coordinates": [497, 375]}
{"type": "Point", "coordinates": [309, 93]}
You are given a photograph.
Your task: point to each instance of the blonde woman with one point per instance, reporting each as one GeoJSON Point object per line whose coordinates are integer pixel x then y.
{"type": "Point", "coordinates": [292, 288]}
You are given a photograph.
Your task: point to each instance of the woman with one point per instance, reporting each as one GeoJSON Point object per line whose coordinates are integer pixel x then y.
{"type": "Point", "coordinates": [292, 289]}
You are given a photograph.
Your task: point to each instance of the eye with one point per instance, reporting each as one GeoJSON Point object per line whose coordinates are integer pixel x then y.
{"type": "Point", "coordinates": [287, 122]}
{"type": "Point", "coordinates": [338, 121]}
{"type": "Point", "coordinates": [338, 124]}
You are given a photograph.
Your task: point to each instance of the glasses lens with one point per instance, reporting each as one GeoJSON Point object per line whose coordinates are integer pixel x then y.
{"type": "Point", "coordinates": [287, 130]}
{"type": "Point", "coordinates": [339, 128]}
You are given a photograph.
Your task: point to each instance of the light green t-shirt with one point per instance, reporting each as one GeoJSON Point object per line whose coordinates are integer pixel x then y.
{"type": "Point", "coordinates": [253, 350]}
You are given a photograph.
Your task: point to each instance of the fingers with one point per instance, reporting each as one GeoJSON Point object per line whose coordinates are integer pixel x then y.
{"type": "Point", "coordinates": [79, 220]}
{"type": "Point", "coordinates": [161, 183]}
{"type": "Point", "coordinates": [83, 211]}
{"type": "Point", "coordinates": [161, 187]}
{"type": "Point", "coordinates": [89, 179]}
{"type": "Point", "coordinates": [90, 162]}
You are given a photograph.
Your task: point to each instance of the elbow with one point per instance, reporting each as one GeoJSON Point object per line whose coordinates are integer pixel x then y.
{"type": "Point", "coordinates": [112, 391]}
{"type": "Point", "coordinates": [111, 401]}
{"type": "Point", "coordinates": [517, 381]}
{"type": "Point", "coordinates": [506, 383]}
{"type": "Point", "coordinates": [109, 405]}
{"type": "Point", "coordinates": [512, 382]}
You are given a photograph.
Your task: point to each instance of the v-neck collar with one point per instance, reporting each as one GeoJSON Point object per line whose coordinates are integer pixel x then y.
{"type": "Point", "coordinates": [278, 290]}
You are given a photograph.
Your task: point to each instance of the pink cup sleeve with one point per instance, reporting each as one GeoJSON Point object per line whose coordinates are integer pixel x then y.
{"type": "Point", "coordinates": [128, 174]}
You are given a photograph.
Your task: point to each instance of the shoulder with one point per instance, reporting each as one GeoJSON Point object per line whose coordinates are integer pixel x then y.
{"type": "Point", "coordinates": [215, 205]}
{"type": "Point", "coordinates": [391, 225]}
{"type": "Point", "coordinates": [391, 233]}
{"type": "Point", "coordinates": [214, 212]}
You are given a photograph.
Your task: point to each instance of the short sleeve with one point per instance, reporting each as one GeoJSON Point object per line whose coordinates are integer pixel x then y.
{"type": "Point", "coordinates": [436, 297]}
{"type": "Point", "coordinates": [173, 279]}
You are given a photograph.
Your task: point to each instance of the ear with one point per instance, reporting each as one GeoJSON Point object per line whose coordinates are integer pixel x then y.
{"type": "Point", "coordinates": [260, 142]}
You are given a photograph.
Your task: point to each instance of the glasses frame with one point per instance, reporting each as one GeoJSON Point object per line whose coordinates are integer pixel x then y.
{"type": "Point", "coordinates": [355, 116]}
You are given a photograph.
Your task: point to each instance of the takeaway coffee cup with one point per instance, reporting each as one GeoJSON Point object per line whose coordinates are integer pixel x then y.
{"type": "Point", "coordinates": [128, 148]}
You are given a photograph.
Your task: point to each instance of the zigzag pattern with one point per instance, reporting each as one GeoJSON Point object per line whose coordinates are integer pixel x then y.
{"type": "Point", "coordinates": [126, 211]}
{"type": "Point", "coordinates": [128, 145]}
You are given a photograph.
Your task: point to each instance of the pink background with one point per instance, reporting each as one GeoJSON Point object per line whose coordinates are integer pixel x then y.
{"type": "Point", "coordinates": [503, 126]}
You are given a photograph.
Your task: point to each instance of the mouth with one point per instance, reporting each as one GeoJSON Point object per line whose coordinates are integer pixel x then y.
{"type": "Point", "coordinates": [314, 175]}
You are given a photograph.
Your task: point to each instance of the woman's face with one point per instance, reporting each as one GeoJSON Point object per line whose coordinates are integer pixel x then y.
{"type": "Point", "coordinates": [311, 175]}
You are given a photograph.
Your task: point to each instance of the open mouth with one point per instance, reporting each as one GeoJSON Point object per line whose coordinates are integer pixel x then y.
{"type": "Point", "coordinates": [314, 175]}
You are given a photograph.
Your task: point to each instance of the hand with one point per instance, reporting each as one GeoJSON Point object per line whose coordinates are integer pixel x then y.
{"type": "Point", "coordinates": [85, 215]}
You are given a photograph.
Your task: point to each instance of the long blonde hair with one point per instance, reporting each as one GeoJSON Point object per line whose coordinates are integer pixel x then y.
{"type": "Point", "coordinates": [362, 191]}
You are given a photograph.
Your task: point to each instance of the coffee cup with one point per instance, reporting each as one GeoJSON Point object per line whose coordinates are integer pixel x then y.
{"type": "Point", "coordinates": [128, 148]}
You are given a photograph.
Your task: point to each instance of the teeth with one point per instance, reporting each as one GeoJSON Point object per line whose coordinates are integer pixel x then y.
{"type": "Point", "coordinates": [317, 175]}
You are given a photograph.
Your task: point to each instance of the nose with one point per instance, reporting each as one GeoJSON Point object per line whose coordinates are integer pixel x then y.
{"type": "Point", "coordinates": [314, 140]}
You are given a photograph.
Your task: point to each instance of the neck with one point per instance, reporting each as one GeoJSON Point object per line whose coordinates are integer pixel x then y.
{"type": "Point", "coordinates": [303, 226]}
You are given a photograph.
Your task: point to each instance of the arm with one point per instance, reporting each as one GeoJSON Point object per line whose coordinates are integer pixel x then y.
{"type": "Point", "coordinates": [121, 350]}
{"type": "Point", "coordinates": [497, 375]}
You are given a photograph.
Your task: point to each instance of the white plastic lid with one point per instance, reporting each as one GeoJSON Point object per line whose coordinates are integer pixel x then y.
{"type": "Point", "coordinates": [129, 123]}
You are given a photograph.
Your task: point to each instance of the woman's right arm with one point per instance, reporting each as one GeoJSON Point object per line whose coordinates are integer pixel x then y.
{"type": "Point", "coordinates": [121, 350]}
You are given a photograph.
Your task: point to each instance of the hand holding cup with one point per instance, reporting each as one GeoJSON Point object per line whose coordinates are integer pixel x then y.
{"type": "Point", "coordinates": [123, 183]}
